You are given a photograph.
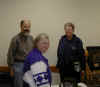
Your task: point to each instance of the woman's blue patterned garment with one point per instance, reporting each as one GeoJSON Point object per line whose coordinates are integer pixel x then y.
{"type": "Point", "coordinates": [36, 70]}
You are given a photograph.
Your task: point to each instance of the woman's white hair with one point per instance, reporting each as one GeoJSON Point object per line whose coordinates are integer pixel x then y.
{"type": "Point", "coordinates": [39, 37]}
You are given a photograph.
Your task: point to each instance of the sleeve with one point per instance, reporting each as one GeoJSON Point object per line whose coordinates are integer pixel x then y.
{"type": "Point", "coordinates": [11, 51]}
{"type": "Point", "coordinates": [40, 74]}
{"type": "Point", "coordinates": [60, 51]}
{"type": "Point", "coordinates": [82, 55]}
{"type": "Point", "coordinates": [32, 39]}
{"type": "Point", "coordinates": [90, 62]}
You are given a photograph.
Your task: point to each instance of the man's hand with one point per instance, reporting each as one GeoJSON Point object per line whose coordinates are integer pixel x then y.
{"type": "Point", "coordinates": [11, 72]}
{"type": "Point", "coordinates": [82, 75]}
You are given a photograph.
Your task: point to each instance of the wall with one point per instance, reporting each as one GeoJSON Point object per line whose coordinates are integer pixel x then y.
{"type": "Point", "coordinates": [49, 16]}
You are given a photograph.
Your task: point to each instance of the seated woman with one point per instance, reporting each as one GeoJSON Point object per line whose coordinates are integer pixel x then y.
{"type": "Point", "coordinates": [36, 69]}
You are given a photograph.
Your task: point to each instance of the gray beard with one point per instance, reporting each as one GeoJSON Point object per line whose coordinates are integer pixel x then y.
{"type": "Point", "coordinates": [26, 34]}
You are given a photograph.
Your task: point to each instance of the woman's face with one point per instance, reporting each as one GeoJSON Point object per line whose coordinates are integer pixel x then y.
{"type": "Point", "coordinates": [69, 31]}
{"type": "Point", "coordinates": [43, 45]}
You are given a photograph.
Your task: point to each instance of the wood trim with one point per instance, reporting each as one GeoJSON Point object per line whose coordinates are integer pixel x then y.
{"type": "Point", "coordinates": [86, 53]}
{"type": "Point", "coordinates": [4, 69]}
{"type": "Point", "coordinates": [54, 69]}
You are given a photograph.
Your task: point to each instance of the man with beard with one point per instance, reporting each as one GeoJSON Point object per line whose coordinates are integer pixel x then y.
{"type": "Point", "coordinates": [20, 46]}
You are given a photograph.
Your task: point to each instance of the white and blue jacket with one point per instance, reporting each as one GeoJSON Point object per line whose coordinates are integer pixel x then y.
{"type": "Point", "coordinates": [36, 70]}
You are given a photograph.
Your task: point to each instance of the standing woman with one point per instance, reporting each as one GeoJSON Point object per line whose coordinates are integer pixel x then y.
{"type": "Point", "coordinates": [36, 69]}
{"type": "Point", "coordinates": [71, 60]}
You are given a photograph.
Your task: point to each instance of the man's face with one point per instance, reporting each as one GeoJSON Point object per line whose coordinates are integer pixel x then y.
{"type": "Point", "coordinates": [69, 31]}
{"type": "Point", "coordinates": [25, 28]}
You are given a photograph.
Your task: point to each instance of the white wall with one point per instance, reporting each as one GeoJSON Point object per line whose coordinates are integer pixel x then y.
{"type": "Point", "coordinates": [49, 16]}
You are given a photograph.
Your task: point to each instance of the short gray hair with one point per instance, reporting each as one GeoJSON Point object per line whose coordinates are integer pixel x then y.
{"type": "Point", "coordinates": [69, 24]}
{"type": "Point", "coordinates": [39, 37]}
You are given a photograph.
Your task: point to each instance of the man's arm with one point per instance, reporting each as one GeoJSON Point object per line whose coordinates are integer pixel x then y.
{"type": "Point", "coordinates": [60, 51]}
{"type": "Point", "coordinates": [82, 57]}
{"type": "Point", "coordinates": [32, 39]}
{"type": "Point", "coordinates": [11, 52]}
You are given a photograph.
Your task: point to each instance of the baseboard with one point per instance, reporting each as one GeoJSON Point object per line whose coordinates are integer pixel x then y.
{"type": "Point", "coordinates": [6, 69]}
